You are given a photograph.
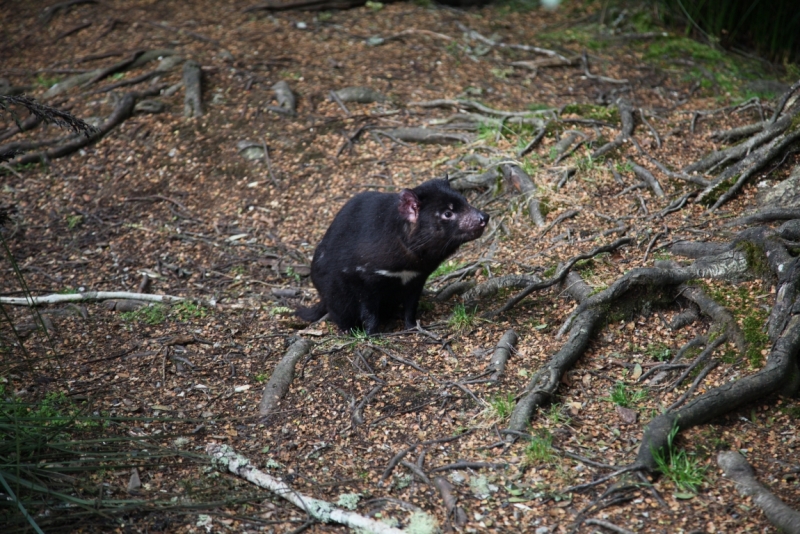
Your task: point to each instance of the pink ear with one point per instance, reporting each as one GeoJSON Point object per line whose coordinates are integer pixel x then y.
{"type": "Point", "coordinates": [409, 205]}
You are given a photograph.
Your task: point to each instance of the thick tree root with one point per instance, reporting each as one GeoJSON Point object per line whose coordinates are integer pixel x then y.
{"type": "Point", "coordinates": [780, 374]}
{"type": "Point", "coordinates": [737, 469]}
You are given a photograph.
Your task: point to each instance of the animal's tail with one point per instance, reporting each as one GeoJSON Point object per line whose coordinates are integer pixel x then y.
{"type": "Point", "coordinates": [312, 314]}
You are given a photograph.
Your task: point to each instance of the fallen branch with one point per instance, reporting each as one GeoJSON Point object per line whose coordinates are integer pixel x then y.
{"type": "Point", "coordinates": [226, 459]}
{"type": "Point", "coordinates": [282, 376]}
{"type": "Point", "coordinates": [626, 116]}
{"type": "Point", "coordinates": [88, 296]}
{"type": "Point", "coordinates": [424, 135]}
{"type": "Point", "coordinates": [123, 110]}
{"type": "Point", "coordinates": [501, 354]}
{"type": "Point", "coordinates": [514, 174]}
{"type": "Point", "coordinates": [192, 102]}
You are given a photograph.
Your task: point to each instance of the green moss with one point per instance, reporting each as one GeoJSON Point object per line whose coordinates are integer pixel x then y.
{"type": "Point", "coordinates": [682, 47]}
{"type": "Point", "coordinates": [756, 258]}
{"type": "Point", "coordinates": [757, 340]}
{"type": "Point", "coordinates": [591, 111]}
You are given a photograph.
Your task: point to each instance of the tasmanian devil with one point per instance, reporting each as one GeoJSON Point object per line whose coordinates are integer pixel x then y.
{"type": "Point", "coordinates": [380, 249]}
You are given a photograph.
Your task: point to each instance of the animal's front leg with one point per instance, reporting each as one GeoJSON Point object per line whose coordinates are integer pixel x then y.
{"type": "Point", "coordinates": [411, 301]}
{"type": "Point", "coordinates": [370, 314]}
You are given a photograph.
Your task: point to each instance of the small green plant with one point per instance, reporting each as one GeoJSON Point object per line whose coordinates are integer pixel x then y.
{"type": "Point", "coordinates": [539, 449]}
{"type": "Point", "coordinates": [502, 74]}
{"type": "Point", "coordinates": [291, 273]}
{"type": "Point", "coordinates": [462, 319]}
{"type": "Point", "coordinates": [152, 315]}
{"type": "Point", "coordinates": [624, 167]}
{"type": "Point", "coordinates": [73, 221]}
{"type": "Point", "coordinates": [374, 6]}
{"type": "Point", "coordinates": [527, 164]}
{"type": "Point", "coordinates": [503, 406]}
{"type": "Point", "coordinates": [658, 351]}
{"type": "Point", "coordinates": [324, 16]}
{"type": "Point", "coordinates": [261, 377]}
{"type": "Point", "coordinates": [359, 334]}
{"type": "Point", "coordinates": [621, 396]}
{"type": "Point", "coordinates": [585, 163]}
{"type": "Point", "coordinates": [757, 340]}
{"type": "Point", "coordinates": [281, 310]}
{"type": "Point", "coordinates": [535, 106]}
{"type": "Point", "coordinates": [447, 268]}
{"type": "Point", "coordinates": [556, 414]}
{"type": "Point", "coordinates": [591, 111]}
{"type": "Point", "coordinates": [187, 310]}
{"type": "Point", "coordinates": [43, 80]}
{"type": "Point", "coordinates": [488, 132]}
{"type": "Point", "coordinates": [683, 470]}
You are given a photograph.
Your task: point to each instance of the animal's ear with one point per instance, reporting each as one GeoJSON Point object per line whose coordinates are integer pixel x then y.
{"type": "Point", "coordinates": [409, 205]}
{"type": "Point", "coordinates": [446, 180]}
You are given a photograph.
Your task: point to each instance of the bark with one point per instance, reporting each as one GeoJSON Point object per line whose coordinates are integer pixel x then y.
{"type": "Point", "coordinates": [502, 352]}
{"type": "Point", "coordinates": [425, 135]}
{"type": "Point", "coordinates": [523, 183]}
{"type": "Point", "coordinates": [780, 374]}
{"type": "Point", "coordinates": [490, 287]}
{"type": "Point", "coordinates": [737, 469]}
{"type": "Point", "coordinates": [285, 97]}
{"type": "Point", "coordinates": [544, 382]}
{"type": "Point", "coordinates": [282, 376]}
{"type": "Point", "coordinates": [193, 101]}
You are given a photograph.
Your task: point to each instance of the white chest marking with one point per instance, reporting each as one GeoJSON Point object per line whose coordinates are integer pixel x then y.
{"type": "Point", "coordinates": [404, 276]}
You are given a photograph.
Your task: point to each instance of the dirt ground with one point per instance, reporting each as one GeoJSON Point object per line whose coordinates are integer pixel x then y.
{"type": "Point", "coordinates": [177, 201]}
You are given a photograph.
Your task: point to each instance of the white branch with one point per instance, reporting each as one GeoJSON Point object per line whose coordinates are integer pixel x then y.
{"type": "Point", "coordinates": [87, 296]}
{"type": "Point", "coordinates": [225, 458]}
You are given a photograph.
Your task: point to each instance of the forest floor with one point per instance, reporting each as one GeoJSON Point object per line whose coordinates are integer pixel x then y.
{"type": "Point", "coordinates": [176, 201]}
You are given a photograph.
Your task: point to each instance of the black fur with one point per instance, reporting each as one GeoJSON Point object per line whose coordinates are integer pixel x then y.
{"type": "Point", "coordinates": [380, 249]}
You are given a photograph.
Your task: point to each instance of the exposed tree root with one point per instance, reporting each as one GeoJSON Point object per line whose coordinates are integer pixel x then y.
{"type": "Point", "coordinates": [563, 271]}
{"type": "Point", "coordinates": [491, 286]}
{"type": "Point", "coordinates": [737, 469]}
{"type": "Point", "coordinates": [781, 369]}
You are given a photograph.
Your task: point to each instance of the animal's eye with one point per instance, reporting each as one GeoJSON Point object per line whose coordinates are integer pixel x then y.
{"type": "Point", "coordinates": [448, 214]}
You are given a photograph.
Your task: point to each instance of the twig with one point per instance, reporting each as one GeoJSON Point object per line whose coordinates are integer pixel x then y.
{"type": "Point", "coordinates": [591, 76]}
